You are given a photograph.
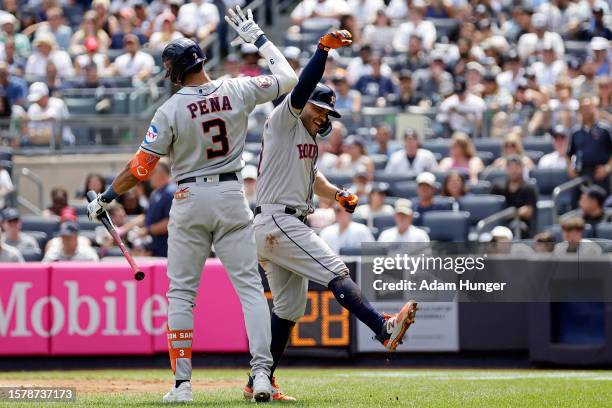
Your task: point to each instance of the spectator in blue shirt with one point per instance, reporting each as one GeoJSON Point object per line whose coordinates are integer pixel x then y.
{"type": "Point", "coordinates": [375, 85]}
{"type": "Point", "coordinates": [158, 213]}
{"type": "Point", "coordinates": [15, 89]}
{"type": "Point", "coordinates": [426, 191]}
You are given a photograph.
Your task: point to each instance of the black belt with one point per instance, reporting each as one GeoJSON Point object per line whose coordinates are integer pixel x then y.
{"type": "Point", "coordinates": [288, 210]}
{"type": "Point", "coordinates": [222, 177]}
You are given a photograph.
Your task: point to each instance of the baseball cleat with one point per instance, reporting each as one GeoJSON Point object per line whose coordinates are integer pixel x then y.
{"type": "Point", "coordinates": [262, 388]}
{"type": "Point", "coordinates": [396, 325]}
{"type": "Point", "coordinates": [180, 394]}
{"type": "Point", "coordinates": [277, 394]}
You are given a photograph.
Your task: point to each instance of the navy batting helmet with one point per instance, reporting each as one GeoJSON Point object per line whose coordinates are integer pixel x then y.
{"type": "Point", "coordinates": [180, 57]}
{"type": "Point", "coordinates": [323, 96]}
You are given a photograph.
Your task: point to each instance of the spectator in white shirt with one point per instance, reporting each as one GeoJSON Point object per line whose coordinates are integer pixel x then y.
{"type": "Point", "coordinates": [135, 63]}
{"type": "Point", "coordinates": [44, 114]}
{"type": "Point", "coordinates": [160, 39]}
{"type": "Point", "coordinates": [365, 10]}
{"type": "Point", "coordinates": [6, 186]}
{"type": "Point", "coordinates": [376, 204]}
{"type": "Point", "coordinates": [556, 159]}
{"type": "Point", "coordinates": [411, 158]}
{"type": "Point", "coordinates": [319, 12]}
{"type": "Point", "coordinates": [462, 111]}
{"type": "Point", "coordinates": [46, 50]}
{"type": "Point", "coordinates": [91, 56]}
{"type": "Point", "coordinates": [572, 230]}
{"type": "Point", "coordinates": [403, 231]}
{"type": "Point", "coordinates": [415, 25]}
{"type": "Point", "coordinates": [13, 236]}
{"type": "Point", "coordinates": [345, 233]}
{"type": "Point", "coordinates": [70, 248]}
{"type": "Point", "coordinates": [55, 26]}
{"type": "Point", "coordinates": [528, 42]}
{"type": "Point", "coordinates": [197, 19]}
{"type": "Point", "coordinates": [550, 68]}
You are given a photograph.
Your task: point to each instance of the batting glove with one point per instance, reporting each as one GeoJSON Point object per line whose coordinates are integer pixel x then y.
{"type": "Point", "coordinates": [247, 29]}
{"type": "Point", "coordinates": [337, 39]}
{"type": "Point", "coordinates": [347, 200]}
{"type": "Point", "coordinates": [96, 208]}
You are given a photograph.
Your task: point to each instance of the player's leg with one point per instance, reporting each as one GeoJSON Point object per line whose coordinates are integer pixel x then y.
{"type": "Point", "coordinates": [298, 249]}
{"type": "Point", "coordinates": [188, 246]}
{"type": "Point", "coordinates": [234, 243]}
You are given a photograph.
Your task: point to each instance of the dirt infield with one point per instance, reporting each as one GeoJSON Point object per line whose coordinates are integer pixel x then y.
{"type": "Point", "coordinates": [104, 386]}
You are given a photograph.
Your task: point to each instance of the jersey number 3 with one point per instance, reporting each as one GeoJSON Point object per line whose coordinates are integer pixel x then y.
{"type": "Point", "coordinates": [219, 139]}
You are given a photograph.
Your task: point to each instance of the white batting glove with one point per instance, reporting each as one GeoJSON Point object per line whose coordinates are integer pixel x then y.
{"type": "Point", "coordinates": [247, 29]}
{"type": "Point", "coordinates": [96, 208]}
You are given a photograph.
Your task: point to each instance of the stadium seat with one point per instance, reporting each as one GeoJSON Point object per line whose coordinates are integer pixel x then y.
{"type": "Point", "coordinates": [80, 207]}
{"type": "Point", "coordinates": [85, 224]}
{"type": "Point", "coordinates": [112, 251]}
{"type": "Point", "coordinates": [447, 226]}
{"type": "Point", "coordinates": [404, 189]}
{"type": "Point", "coordinates": [32, 256]}
{"type": "Point", "coordinates": [438, 146]}
{"type": "Point", "coordinates": [81, 106]}
{"type": "Point", "coordinates": [392, 178]}
{"type": "Point", "coordinates": [493, 175]}
{"type": "Point", "coordinates": [383, 222]}
{"type": "Point", "coordinates": [340, 180]}
{"type": "Point", "coordinates": [548, 179]}
{"type": "Point", "coordinates": [488, 145]}
{"type": "Point", "coordinates": [380, 161]}
{"type": "Point", "coordinates": [480, 187]}
{"type": "Point", "coordinates": [441, 175]}
{"type": "Point", "coordinates": [544, 214]}
{"type": "Point", "coordinates": [538, 143]}
{"type": "Point", "coordinates": [604, 230]}
{"type": "Point", "coordinates": [39, 223]}
{"type": "Point", "coordinates": [486, 157]}
{"type": "Point", "coordinates": [534, 155]}
{"type": "Point", "coordinates": [41, 238]}
{"type": "Point", "coordinates": [358, 251]}
{"type": "Point", "coordinates": [481, 206]}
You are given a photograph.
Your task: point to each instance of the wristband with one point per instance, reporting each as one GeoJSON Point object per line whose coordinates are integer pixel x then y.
{"type": "Point", "coordinates": [109, 195]}
{"type": "Point", "coordinates": [261, 40]}
{"type": "Point", "coordinates": [322, 47]}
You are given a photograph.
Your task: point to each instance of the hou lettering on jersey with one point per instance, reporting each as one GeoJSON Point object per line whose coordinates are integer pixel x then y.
{"type": "Point", "coordinates": [307, 150]}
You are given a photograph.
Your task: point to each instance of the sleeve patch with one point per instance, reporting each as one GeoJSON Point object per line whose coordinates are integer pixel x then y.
{"type": "Point", "coordinates": [151, 135]}
{"type": "Point", "coordinates": [263, 81]}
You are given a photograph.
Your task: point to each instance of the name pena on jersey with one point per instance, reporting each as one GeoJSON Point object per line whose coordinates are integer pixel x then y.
{"type": "Point", "coordinates": [307, 150]}
{"type": "Point", "coordinates": [209, 105]}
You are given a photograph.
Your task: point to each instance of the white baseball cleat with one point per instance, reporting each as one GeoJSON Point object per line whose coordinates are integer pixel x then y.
{"type": "Point", "coordinates": [180, 394]}
{"type": "Point", "coordinates": [397, 325]}
{"type": "Point", "coordinates": [262, 388]}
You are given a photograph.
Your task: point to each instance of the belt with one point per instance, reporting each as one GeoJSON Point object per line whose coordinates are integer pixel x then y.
{"type": "Point", "coordinates": [210, 179]}
{"type": "Point", "coordinates": [286, 210]}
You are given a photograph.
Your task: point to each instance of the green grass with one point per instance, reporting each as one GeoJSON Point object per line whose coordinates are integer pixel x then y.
{"type": "Point", "coordinates": [352, 388]}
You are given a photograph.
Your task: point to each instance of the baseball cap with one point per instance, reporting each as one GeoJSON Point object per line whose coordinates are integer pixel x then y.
{"type": "Point", "coordinates": [599, 44]}
{"type": "Point", "coordinates": [37, 90]}
{"type": "Point", "coordinates": [405, 74]}
{"type": "Point", "coordinates": [380, 187]}
{"type": "Point", "coordinates": [45, 38]}
{"type": "Point", "coordinates": [6, 18]}
{"type": "Point", "coordinates": [595, 192]}
{"type": "Point", "coordinates": [559, 131]}
{"type": "Point", "coordinates": [426, 178]}
{"type": "Point", "coordinates": [474, 66]}
{"type": "Point", "coordinates": [233, 58]}
{"type": "Point", "coordinates": [538, 20]}
{"type": "Point", "coordinates": [249, 172]}
{"type": "Point", "coordinates": [502, 232]}
{"type": "Point", "coordinates": [325, 98]}
{"type": "Point", "coordinates": [10, 214]}
{"type": "Point", "coordinates": [68, 228]}
{"type": "Point", "coordinates": [403, 206]}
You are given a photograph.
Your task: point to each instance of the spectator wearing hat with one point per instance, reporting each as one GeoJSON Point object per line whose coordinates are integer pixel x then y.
{"type": "Point", "coordinates": [591, 206]}
{"type": "Point", "coordinates": [44, 115]}
{"type": "Point", "coordinates": [474, 73]}
{"type": "Point", "coordinates": [403, 231]}
{"type": "Point", "coordinates": [376, 203]}
{"type": "Point", "coordinates": [13, 236]}
{"type": "Point", "coordinates": [8, 29]}
{"type": "Point", "coordinates": [56, 27]}
{"type": "Point", "coordinates": [518, 194]}
{"type": "Point", "coordinates": [8, 253]}
{"type": "Point", "coordinates": [411, 158]}
{"type": "Point", "coordinates": [89, 28]}
{"type": "Point", "coordinates": [91, 56]}
{"type": "Point", "coordinates": [462, 111]}
{"type": "Point", "coordinates": [528, 43]}
{"type": "Point", "coordinates": [556, 159]}
{"type": "Point", "coordinates": [426, 191]}
{"type": "Point", "coordinates": [462, 157]}
{"type": "Point", "coordinates": [600, 48]}
{"type": "Point", "coordinates": [161, 38]}
{"type": "Point", "coordinates": [46, 50]}
{"type": "Point", "coordinates": [590, 149]}
{"type": "Point", "coordinates": [415, 24]}
{"type": "Point", "coordinates": [379, 34]}
{"type": "Point", "coordinates": [197, 18]}
{"type": "Point", "coordinates": [249, 177]}
{"type": "Point", "coordinates": [69, 249]}
{"type": "Point", "coordinates": [345, 233]}
{"type": "Point", "coordinates": [572, 230]}
{"type": "Point", "coordinates": [135, 63]}
{"type": "Point", "coordinates": [431, 82]}
{"type": "Point", "coordinates": [15, 89]}
{"type": "Point", "coordinates": [347, 99]}
{"type": "Point", "coordinates": [596, 26]}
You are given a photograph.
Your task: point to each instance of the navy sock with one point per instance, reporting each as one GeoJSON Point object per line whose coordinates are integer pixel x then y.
{"type": "Point", "coordinates": [281, 330]}
{"type": "Point", "coordinates": [348, 294]}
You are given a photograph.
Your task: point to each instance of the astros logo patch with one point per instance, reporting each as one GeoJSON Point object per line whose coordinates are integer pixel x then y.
{"type": "Point", "coordinates": [151, 135]}
{"type": "Point", "coordinates": [263, 81]}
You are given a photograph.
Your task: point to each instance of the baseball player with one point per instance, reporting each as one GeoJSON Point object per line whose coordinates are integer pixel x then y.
{"type": "Point", "coordinates": [289, 251]}
{"type": "Point", "coordinates": [202, 128]}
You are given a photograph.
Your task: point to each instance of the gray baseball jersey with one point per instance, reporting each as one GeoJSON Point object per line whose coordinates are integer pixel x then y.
{"type": "Point", "coordinates": [203, 128]}
{"type": "Point", "coordinates": [287, 165]}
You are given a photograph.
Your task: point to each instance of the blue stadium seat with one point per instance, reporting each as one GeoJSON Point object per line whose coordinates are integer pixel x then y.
{"type": "Point", "coordinates": [486, 157]}
{"type": "Point", "coordinates": [493, 175]}
{"type": "Point", "coordinates": [488, 145]}
{"type": "Point", "coordinates": [383, 222]}
{"type": "Point", "coordinates": [41, 238]}
{"type": "Point", "coordinates": [538, 143]}
{"type": "Point", "coordinates": [441, 175]}
{"type": "Point", "coordinates": [392, 178]}
{"type": "Point", "coordinates": [480, 187]}
{"type": "Point", "coordinates": [547, 179]}
{"type": "Point", "coordinates": [404, 189]}
{"type": "Point", "coordinates": [85, 224]}
{"type": "Point", "coordinates": [437, 146]}
{"type": "Point", "coordinates": [380, 161]}
{"type": "Point", "coordinates": [604, 230]}
{"type": "Point", "coordinates": [534, 155]}
{"type": "Point", "coordinates": [447, 226]}
{"type": "Point", "coordinates": [481, 206]}
{"type": "Point", "coordinates": [32, 256]}
{"type": "Point", "coordinates": [340, 180]}
{"type": "Point", "coordinates": [39, 223]}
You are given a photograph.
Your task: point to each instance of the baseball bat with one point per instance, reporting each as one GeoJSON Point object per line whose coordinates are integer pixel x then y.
{"type": "Point", "coordinates": [104, 218]}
